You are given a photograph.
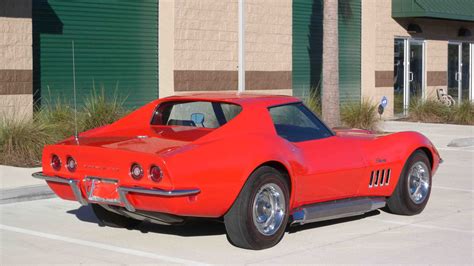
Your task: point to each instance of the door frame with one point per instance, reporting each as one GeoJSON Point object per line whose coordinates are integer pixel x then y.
{"type": "Point", "coordinates": [459, 72]}
{"type": "Point", "coordinates": [407, 41]}
{"type": "Point", "coordinates": [471, 71]}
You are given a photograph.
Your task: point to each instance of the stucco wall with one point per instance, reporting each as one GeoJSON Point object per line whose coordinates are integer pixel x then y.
{"type": "Point", "coordinates": [206, 45]}
{"type": "Point", "coordinates": [16, 61]}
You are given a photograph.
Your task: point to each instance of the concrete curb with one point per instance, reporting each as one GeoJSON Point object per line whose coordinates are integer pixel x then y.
{"type": "Point", "coordinates": [463, 142]}
{"type": "Point", "coordinates": [25, 193]}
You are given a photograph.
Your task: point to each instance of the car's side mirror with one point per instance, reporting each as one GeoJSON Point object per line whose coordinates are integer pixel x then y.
{"type": "Point", "coordinates": [198, 118]}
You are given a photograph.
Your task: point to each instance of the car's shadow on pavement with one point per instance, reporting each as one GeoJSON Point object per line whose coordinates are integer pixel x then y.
{"type": "Point", "coordinates": [190, 228]}
{"type": "Point", "coordinates": [206, 227]}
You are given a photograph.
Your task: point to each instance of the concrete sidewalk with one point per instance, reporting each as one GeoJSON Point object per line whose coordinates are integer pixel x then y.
{"type": "Point", "coordinates": [440, 134]}
{"type": "Point", "coordinates": [17, 184]}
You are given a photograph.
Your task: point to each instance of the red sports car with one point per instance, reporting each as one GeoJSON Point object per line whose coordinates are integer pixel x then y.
{"type": "Point", "coordinates": [257, 162]}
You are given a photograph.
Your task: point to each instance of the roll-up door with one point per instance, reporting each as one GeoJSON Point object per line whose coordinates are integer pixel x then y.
{"type": "Point", "coordinates": [116, 48]}
{"type": "Point", "coordinates": [308, 42]}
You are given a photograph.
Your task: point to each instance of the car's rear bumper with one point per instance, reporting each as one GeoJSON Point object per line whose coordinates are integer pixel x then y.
{"type": "Point", "coordinates": [127, 194]}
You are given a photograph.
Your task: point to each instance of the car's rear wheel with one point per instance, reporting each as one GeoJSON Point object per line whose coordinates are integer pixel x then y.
{"type": "Point", "coordinates": [258, 218]}
{"type": "Point", "coordinates": [414, 186]}
{"type": "Point", "coordinates": [112, 219]}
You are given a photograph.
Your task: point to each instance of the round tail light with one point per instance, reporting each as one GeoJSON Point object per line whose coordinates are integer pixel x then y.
{"type": "Point", "coordinates": [136, 171]}
{"type": "Point", "coordinates": [71, 164]}
{"type": "Point", "coordinates": [55, 162]}
{"type": "Point", "coordinates": [155, 173]}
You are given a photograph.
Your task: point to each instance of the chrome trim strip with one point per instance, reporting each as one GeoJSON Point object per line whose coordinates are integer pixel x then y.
{"type": "Point", "coordinates": [74, 184]}
{"type": "Point", "coordinates": [123, 191]}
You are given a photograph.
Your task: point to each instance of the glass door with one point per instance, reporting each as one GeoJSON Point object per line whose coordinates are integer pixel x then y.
{"type": "Point", "coordinates": [454, 70]}
{"type": "Point", "coordinates": [471, 67]}
{"type": "Point", "coordinates": [465, 72]}
{"type": "Point", "coordinates": [399, 77]}
{"type": "Point", "coordinates": [415, 74]}
{"type": "Point", "coordinates": [409, 77]}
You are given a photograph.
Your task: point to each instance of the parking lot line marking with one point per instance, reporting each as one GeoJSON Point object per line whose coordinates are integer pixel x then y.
{"type": "Point", "coordinates": [422, 226]}
{"type": "Point", "coordinates": [100, 245]}
{"type": "Point", "coordinates": [455, 189]}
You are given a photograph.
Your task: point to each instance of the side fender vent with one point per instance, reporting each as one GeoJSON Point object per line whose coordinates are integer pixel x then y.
{"type": "Point", "coordinates": [380, 178]}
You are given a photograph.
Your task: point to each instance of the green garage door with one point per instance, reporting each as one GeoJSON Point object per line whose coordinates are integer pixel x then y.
{"type": "Point", "coordinates": [116, 48]}
{"type": "Point", "coordinates": [307, 47]}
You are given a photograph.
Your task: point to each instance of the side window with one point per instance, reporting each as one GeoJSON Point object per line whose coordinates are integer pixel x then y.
{"type": "Point", "coordinates": [295, 123]}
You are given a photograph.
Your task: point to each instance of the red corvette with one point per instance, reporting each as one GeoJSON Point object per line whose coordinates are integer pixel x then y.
{"type": "Point", "coordinates": [257, 162]}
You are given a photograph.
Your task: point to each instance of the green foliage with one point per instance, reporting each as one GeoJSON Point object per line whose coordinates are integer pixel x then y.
{"type": "Point", "coordinates": [360, 115]}
{"type": "Point", "coordinates": [433, 111]}
{"type": "Point", "coordinates": [313, 101]}
{"type": "Point", "coordinates": [428, 111]}
{"type": "Point", "coordinates": [59, 115]}
{"type": "Point", "coordinates": [100, 110]}
{"type": "Point", "coordinates": [463, 113]}
{"type": "Point", "coordinates": [22, 140]}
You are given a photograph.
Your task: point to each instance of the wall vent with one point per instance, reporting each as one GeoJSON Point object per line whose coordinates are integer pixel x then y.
{"type": "Point", "coordinates": [380, 178]}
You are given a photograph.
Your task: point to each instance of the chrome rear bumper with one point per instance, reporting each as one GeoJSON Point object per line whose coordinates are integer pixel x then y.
{"type": "Point", "coordinates": [122, 190]}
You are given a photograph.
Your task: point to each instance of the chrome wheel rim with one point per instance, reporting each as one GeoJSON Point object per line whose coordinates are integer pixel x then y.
{"type": "Point", "coordinates": [418, 182]}
{"type": "Point", "coordinates": [269, 209]}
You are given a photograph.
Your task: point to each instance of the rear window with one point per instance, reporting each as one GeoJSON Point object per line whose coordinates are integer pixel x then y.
{"type": "Point", "coordinates": [195, 114]}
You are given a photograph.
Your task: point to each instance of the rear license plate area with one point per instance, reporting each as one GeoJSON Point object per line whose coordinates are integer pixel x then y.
{"type": "Point", "coordinates": [100, 190]}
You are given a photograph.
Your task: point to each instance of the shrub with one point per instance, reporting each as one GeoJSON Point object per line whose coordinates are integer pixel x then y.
{"type": "Point", "coordinates": [313, 101]}
{"type": "Point", "coordinates": [463, 113]}
{"type": "Point", "coordinates": [360, 115]}
{"type": "Point", "coordinates": [433, 111]}
{"type": "Point", "coordinates": [428, 111]}
{"type": "Point", "coordinates": [100, 110]}
{"type": "Point", "coordinates": [22, 140]}
{"type": "Point", "coordinates": [59, 115]}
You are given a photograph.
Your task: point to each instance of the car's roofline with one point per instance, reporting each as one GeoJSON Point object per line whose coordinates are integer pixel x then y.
{"type": "Point", "coordinates": [242, 99]}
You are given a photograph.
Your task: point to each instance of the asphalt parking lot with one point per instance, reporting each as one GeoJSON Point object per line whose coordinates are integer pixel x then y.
{"type": "Point", "coordinates": [55, 231]}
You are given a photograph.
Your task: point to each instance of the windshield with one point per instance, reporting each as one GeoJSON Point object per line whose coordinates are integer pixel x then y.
{"type": "Point", "coordinates": [204, 114]}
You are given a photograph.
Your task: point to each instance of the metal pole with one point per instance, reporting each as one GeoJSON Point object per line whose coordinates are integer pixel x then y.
{"type": "Point", "coordinates": [76, 133]}
{"type": "Point", "coordinates": [241, 81]}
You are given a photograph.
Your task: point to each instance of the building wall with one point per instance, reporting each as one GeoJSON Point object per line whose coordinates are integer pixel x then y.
{"type": "Point", "coordinates": [205, 48]}
{"type": "Point", "coordinates": [16, 58]}
{"type": "Point", "coordinates": [379, 30]}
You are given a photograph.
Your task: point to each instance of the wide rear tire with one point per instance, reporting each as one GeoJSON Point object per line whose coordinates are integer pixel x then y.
{"type": "Point", "coordinates": [258, 218]}
{"type": "Point", "coordinates": [112, 219]}
{"type": "Point", "coordinates": [414, 186]}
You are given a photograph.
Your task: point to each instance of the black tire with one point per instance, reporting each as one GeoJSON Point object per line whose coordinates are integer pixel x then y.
{"type": "Point", "coordinates": [239, 220]}
{"type": "Point", "coordinates": [400, 201]}
{"type": "Point", "coordinates": [112, 219]}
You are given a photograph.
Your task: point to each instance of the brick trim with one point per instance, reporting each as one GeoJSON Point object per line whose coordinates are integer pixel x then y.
{"type": "Point", "coordinates": [217, 80]}
{"type": "Point", "coordinates": [14, 82]}
{"type": "Point", "coordinates": [437, 78]}
{"type": "Point", "coordinates": [383, 78]}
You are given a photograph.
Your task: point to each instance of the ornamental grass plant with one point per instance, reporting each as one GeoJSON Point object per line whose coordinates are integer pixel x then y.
{"type": "Point", "coordinates": [22, 138]}
{"type": "Point", "coordinates": [432, 111]}
{"type": "Point", "coordinates": [361, 115]}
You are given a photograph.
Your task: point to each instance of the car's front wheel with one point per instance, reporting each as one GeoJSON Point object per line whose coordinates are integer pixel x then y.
{"type": "Point", "coordinates": [414, 186]}
{"type": "Point", "coordinates": [112, 219]}
{"type": "Point", "coordinates": [258, 218]}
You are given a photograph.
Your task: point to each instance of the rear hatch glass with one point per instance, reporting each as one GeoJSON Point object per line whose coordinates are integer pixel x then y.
{"type": "Point", "coordinates": [197, 114]}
